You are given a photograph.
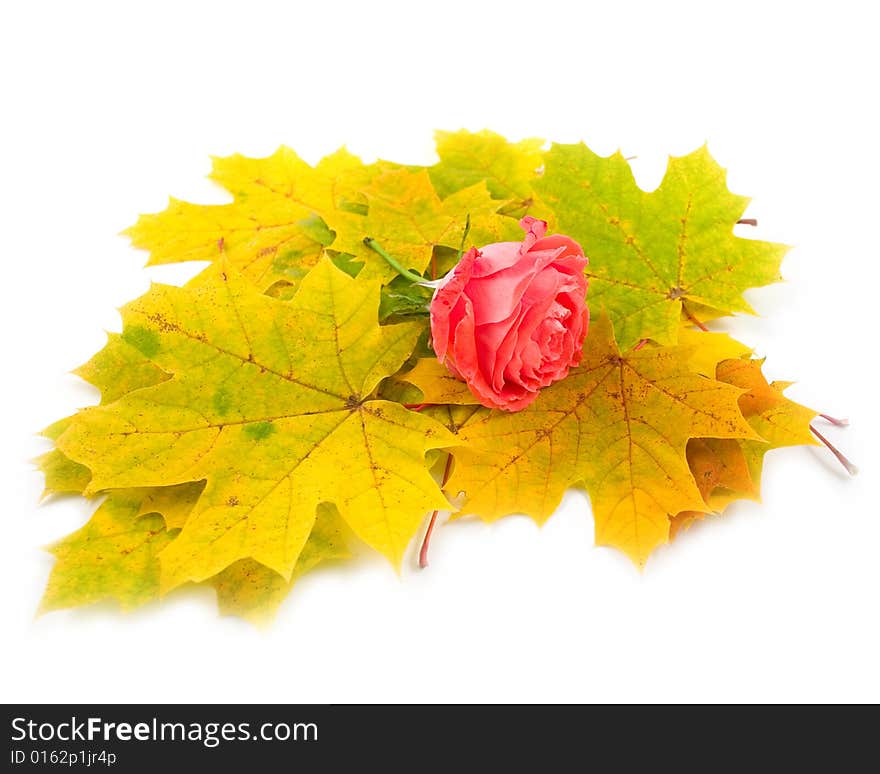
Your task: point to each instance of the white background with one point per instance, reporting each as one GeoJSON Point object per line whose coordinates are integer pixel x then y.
{"type": "Point", "coordinates": [108, 108]}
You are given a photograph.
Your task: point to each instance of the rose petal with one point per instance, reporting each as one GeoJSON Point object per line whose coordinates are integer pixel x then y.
{"type": "Point", "coordinates": [535, 230]}
{"type": "Point", "coordinates": [445, 299]}
{"type": "Point", "coordinates": [502, 255]}
{"type": "Point", "coordinates": [497, 296]}
{"type": "Point", "coordinates": [570, 248]}
{"type": "Point", "coordinates": [494, 345]}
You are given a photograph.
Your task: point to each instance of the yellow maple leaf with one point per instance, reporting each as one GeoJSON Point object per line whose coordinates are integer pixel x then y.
{"type": "Point", "coordinates": [779, 421]}
{"type": "Point", "coordinates": [123, 364]}
{"type": "Point", "coordinates": [719, 463]}
{"type": "Point", "coordinates": [173, 503]}
{"type": "Point", "coordinates": [409, 220]}
{"type": "Point", "coordinates": [729, 470]}
{"type": "Point", "coordinates": [113, 556]}
{"type": "Point", "coordinates": [704, 350]}
{"type": "Point", "coordinates": [435, 384]}
{"type": "Point", "coordinates": [716, 464]}
{"type": "Point", "coordinates": [61, 474]}
{"type": "Point", "coordinates": [283, 214]}
{"type": "Point", "coordinates": [91, 560]}
{"type": "Point", "coordinates": [119, 368]}
{"type": "Point", "coordinates": [250, 590]}
{"type": "Point", "coordinates": [619, 424]}
{"type": "Point", "coordinates": [270, 402]}
{"type": "Point", "coordinates": [116, 556]}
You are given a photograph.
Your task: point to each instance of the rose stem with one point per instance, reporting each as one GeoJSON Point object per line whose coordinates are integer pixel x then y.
{"type": "Point", "coordinates": [693, 319]}
{"type": "Point", "coordinates": [423, 552]}
{"type": "Point", "coordinates": [747, 221]}
{"type": "Point", "coordinates": [833, 421]}
{"type": "Point", "coordinates": [376, 247]}
{"type": "Point", "coordinates": [641, 344]}
{"type": "Point", "coordinates": [850, 468]}
{"type": "Point", "coordinates": [417, 406]}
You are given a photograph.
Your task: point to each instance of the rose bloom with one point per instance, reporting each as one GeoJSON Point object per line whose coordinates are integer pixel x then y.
{"type": "Point", "coordinates": [511, 317]}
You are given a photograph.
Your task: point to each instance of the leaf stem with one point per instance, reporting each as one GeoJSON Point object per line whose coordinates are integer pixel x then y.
{"type": "Point", "coordinates": [850, 468]}
{"type": "Point", "coordinates": [423, 552]}
{"type": "Point", "coordinates": [694, 320]}
{"type": "Point", "coordinates": [393, 262]}
{"type": "Point", "coordinates": [747, 222]}
{"type": "Point", "coordinates": [834, 421]}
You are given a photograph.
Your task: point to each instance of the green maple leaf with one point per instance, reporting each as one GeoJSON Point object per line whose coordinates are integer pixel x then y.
{"type": "Point", "coordinates": [468, 158]}
{"type": "Point", "coordinates": [651, 253]}
{"type": "Point", "coordinates": [270, 403]}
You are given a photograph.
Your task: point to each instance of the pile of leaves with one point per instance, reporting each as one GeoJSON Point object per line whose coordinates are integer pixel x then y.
{"type": "Point", "coordinates": [284, 406]}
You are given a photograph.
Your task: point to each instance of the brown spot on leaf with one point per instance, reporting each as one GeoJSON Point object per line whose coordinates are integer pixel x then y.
{"type": "Point", "coordinates": [162, 322]}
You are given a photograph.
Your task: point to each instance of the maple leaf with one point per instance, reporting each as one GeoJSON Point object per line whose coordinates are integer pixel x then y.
{"type": "Point", "coordinates": [507, 168]}
{"type": "Point", "coordinates": [119, 368]}
{"type": "Point", "coordinates": [124, 364]}
{"type": "Point", "coordinates": [619, 424]}
{"type": "Point", "coordinates": [173, 503]}
{"type": "Point", "coordinates": [716, 464]}
{"type": "Point", "coordinates": [434, 384]}
{"type": "Point", "coordinates": [729, 470]}
{"type": "Point", "coordinates": [407, 217]}
{"type": "Point", "coordinates": [706, 349]}
{"type": "Point", "coordinates": [779, 421]}
{"type": "Point", "coordinates": [283, 214]}
{"type": "Point", "coordinates": [116, 556]}
{"type": "Point", "coordinates": [249, 590]}
{"type": "Point", "coordinates": [269, 402]}
{"type": "Point", "coordinates": [61, 474]}
{"type": "Point", "coordinates": [118, 543]}
{"type": "Point", "coordinates": [251, 423]}
{"type": "Point", "coordinates": [652, 252]}
{"type": "Point", "coordinates": [719, 463]}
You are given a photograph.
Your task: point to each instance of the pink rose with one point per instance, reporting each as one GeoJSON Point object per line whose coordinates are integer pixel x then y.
{"type": "Point", "coordinates": [511, 318]}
